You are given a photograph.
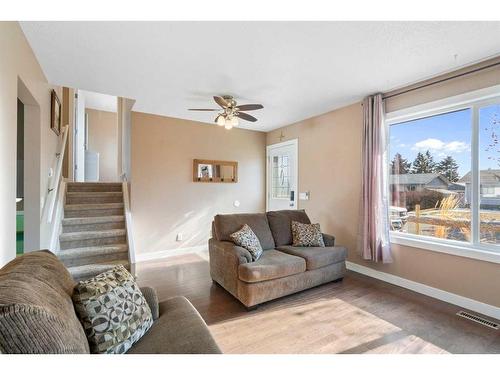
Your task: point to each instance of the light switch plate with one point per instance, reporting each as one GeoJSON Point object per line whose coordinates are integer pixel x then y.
{"type": "Point", "coordinates": [304, 196]}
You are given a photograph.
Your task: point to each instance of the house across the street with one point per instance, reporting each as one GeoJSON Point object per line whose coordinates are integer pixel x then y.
{"type": "Point", "coordinates": [418, 181]}
{"type": "Point", "coordinates": [489, 188]}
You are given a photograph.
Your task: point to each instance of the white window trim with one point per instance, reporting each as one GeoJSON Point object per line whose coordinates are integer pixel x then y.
{"type": "Point", "coordinates": [471, 100]}
{"type": "Point", "coordinates": [462, 249]}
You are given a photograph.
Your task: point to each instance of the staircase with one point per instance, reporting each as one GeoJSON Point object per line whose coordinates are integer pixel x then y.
{"type": "Point", "coordinates": [93, 238]}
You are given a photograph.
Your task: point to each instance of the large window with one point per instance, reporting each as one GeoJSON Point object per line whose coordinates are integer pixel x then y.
{"type": "Point", "coordinates": [444, 181]}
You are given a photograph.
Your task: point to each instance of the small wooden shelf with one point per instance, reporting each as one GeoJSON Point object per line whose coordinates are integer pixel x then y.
{"type": "Point", "coordinates": [219, 171]}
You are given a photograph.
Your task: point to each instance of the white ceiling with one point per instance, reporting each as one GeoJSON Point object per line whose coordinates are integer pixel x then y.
{"type": "Point", "coordinates": [295, 69]}
{"type": "Point", "coordinates": [101, 102]}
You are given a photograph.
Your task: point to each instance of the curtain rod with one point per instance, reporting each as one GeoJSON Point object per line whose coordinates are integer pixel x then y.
{"type": "Point", "coordinates": [384, 97]}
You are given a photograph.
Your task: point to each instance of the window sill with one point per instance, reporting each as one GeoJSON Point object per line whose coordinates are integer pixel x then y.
{"type": "Point", "coordinates": [446, 247]}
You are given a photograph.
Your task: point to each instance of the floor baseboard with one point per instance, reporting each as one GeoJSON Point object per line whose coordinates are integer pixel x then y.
{"type": "Point", "coordinates": [455, 299]}
{"type": "Point", "coordinates": [169, 253]}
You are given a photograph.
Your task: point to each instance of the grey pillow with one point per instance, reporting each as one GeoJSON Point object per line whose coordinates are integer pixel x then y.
{"type": "Point", "coordinates": [247, 239]}
{"type": "Point", "coordinates": [112, 310]}
{"type": "Point", "coordinates": [307, 235]}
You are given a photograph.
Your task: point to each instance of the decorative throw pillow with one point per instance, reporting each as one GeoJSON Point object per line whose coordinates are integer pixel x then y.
{"type": "Point", "coordinates": [307, 235]}
{"type": "Point", "coordinates": [112, 310]}
{"type": "Point", "coordinates": [247, 239]}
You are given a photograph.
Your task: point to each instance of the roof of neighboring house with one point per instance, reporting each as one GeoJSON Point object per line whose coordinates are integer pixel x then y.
{"type": "Point", "coordinates": [444, 191]}
{"type": "Point", "coordinates": [488, 176]}
{"type": "Point", "coordinates": [456, 186]}
{"type": "Point", "coordinates": [415, 179]}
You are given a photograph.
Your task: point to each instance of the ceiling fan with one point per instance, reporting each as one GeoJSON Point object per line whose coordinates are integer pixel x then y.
{"type": "Point", "coordinates": [230, 111]}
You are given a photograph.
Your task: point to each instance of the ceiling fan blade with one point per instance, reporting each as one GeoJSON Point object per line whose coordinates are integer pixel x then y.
{"type": "Point", "coordinates": [249, 107]}
{"type": "Point", "coordinates": [246, 116]}
{"type": "Point", "coordinates": [221, 101]}
{"type": "Point", "coordinates": [202, 109]}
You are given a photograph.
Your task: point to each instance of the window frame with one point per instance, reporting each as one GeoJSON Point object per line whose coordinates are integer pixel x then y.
{"type": "Point", "coordinates": [473, 100]}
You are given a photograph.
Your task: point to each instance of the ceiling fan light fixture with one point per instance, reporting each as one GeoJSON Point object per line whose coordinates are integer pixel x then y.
{"type": "Point", "coordinates": [230, 112]}
{"type": "Point", "coordinates": [220, 120]}
{"type": "Point", "coordinates": [234, 121]}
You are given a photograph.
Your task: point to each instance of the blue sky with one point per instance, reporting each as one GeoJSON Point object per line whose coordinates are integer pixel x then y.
{"type": "Point", "coordinates": [448, 134]}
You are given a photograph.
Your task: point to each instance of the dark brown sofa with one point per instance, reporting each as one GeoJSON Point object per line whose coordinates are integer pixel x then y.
{"type": "Point", "coordinates": [37, 314]}
{"type": "Point", "coordinates": [282, 269]}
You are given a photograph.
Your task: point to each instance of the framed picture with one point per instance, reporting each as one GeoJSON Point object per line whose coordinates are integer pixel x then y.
{"type": "Point", "coordinates": [205, 171]}
{"type": "Point", "coordinates": [55, 113]}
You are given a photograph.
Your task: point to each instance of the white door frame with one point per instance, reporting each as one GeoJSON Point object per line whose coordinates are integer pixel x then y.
{"type": "Point", "coordinates": [294, 142]}
{"type": "Point", "coordinates": [78, 162]}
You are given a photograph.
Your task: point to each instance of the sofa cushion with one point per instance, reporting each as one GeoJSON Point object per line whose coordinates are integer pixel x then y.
{"type": "Point", "coordinates": [307, 235]}
{"type": "Point", "coordinates": [225, 225]}
{"type": "Point", "coordinates": [317, 257]}
{"type": "Point", "coordinates": [280, 223]}
{"type": "Point", "coordinates": [36, 310]}
{"type": "Point", "coordinates": [179, 330]}
{"type": "Point", "coordinates": [272, 264]}
{"type": "Point", "coordinates": [247, 239]}
{"type": "Point", "coordinates": [113, 311]}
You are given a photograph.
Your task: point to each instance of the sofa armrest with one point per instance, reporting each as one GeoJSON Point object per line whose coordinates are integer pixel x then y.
{"type": "Point", "coordinates": [229, 249]}
{"type": "Point", "coordinates": [225, 258]}
{"type": "Point", "coordinates": [329, 240]}
{"type": "Point", "coordinates": [152, 299]}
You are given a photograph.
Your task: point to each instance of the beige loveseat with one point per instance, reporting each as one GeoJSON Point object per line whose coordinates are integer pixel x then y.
{"type": "Point", "coordinates": [37, 314]}
{"type": "Point", "coordinates": [282, 269]}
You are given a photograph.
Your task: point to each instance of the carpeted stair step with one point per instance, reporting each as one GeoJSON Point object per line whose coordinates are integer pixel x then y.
{"type": "Point", "coordinates": [93, 186]}
{"type": "Point", "coordinates": [92, 210]}
{"type": "Point", "coordinates": [94, 197]}
{"type": "Point", "coordinates": [88, 271]}
{"type": "Point", "coordinates": [95, 254]}
{"type": "Point", "coordinates": [92, 238]}
{"type": "Point", "coordinates": [86, 224]}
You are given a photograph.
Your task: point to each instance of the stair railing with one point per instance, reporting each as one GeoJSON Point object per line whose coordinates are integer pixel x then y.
{"type": "Point", "coordinates": [55, 192]}
{"type": "Point", "coordinates": [128, 223]}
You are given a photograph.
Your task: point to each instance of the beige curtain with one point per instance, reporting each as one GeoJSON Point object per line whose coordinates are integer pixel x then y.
{"type": "Point", "coordinates": [375, 245]}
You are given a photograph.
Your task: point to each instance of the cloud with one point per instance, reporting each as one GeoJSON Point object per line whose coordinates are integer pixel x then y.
{"type": "Point", "coordinates": [436, 145]}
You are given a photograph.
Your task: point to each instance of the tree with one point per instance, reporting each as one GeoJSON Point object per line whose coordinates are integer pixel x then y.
{"type": "Point", "coordinates": [424, 163]}
{"type": "Point", "coordinates": [493, 145]}
{"type": "Point", "coordinates": [400, 165]}
{"type": "Point", "coordinates": [448, 168]}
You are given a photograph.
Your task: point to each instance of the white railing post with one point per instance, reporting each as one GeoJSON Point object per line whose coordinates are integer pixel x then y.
{"type": "Point", "coordinates": [128, 221]}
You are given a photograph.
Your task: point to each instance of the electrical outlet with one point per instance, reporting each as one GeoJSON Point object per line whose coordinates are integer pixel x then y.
{"type": "Point", "coordinates": [179, 237]}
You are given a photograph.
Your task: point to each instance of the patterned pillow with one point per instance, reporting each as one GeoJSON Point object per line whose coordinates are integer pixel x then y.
{"type": "Point", "coordinates": [307, 235]}
{"type": "Point", "coordinates": [247, 239]}
{"type": "Point", "coordinates": [112, 310]}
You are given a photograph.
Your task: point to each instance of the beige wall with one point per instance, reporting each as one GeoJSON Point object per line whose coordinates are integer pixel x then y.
{"type": "Point", "coordinates": [330, 168]}
{"type": "Point", "coordinates": [18, 61]}
{"type": "Point", "coordinates": [165, 200]}
{"type": "Point", "coordinates": [103, 138]}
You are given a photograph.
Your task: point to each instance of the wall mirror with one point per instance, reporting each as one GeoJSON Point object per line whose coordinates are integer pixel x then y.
{"type": "Point", "coordinates": [215, 171]}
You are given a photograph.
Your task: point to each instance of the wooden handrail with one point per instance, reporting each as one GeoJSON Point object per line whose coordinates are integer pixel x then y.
{"type": "Point", "coordinates": [56, 178]}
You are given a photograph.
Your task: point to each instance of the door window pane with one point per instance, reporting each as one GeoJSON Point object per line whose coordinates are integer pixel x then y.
{"type": "Point", "coordinates": [489, 172]}
{"type": "Point", "coordinates": [281, 177]}
{"type": "Point", "coordinates": [429, 161]}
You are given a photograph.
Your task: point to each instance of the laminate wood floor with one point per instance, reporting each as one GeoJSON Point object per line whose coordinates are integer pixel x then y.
{"type": "Point", "coordinates": [356, 315]}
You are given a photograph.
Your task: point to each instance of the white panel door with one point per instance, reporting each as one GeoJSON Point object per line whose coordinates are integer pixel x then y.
{"type": "Point", "coordinates": [282, 176]}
